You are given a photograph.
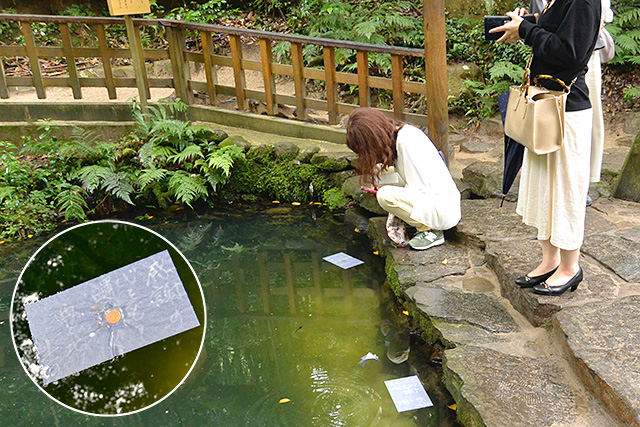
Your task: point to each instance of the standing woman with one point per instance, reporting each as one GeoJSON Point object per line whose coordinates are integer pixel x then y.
{"type": "Point", "coordinates": [429, 200]}
{"type": "Point", "coordinates": [553, 187]}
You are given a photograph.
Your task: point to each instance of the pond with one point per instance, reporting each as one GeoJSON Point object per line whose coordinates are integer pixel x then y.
{"type": "Point", "coordinates": [285, 330]}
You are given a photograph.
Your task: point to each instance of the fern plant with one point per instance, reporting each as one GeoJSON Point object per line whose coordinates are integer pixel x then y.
{"type": "Point", "coordinates": [625, 30]}
{"type": "Point", "coordinates": [72, 201]}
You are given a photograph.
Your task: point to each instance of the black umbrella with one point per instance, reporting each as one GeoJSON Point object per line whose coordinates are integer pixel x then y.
{"type": "Point", "coordinates": [513, 152]}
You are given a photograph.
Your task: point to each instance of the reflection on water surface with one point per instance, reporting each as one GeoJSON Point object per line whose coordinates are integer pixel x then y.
{"type": "Point", "coordinates": [281, 324]}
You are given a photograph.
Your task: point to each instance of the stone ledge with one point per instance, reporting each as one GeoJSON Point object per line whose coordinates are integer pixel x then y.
{"type": "Point", "coordinates": [602, 340]}
{"type": "Point", "coordinates": [462, 307]}
{"type": "Point", "coordinates": [514, 390]}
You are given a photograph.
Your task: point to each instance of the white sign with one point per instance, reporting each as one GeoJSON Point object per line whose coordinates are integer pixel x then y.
{"type": "Point", "coordinates": [128, 7]}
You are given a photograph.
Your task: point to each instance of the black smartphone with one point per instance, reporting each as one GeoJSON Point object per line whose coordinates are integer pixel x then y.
{"type": "Point", "coordinates": [491, 21]}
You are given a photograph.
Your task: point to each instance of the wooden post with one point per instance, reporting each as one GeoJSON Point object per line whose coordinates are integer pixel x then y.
{"type": "Point", "coordinates": [398, 94]}
{"type": "Point", "coordinates": [238, 71]}
{"type": "Point", "coordinates": [137, 57]}
{"type": "Point", "coordinates": [4, 90]}
{"type": "Point", "coordinates": [179, 66]}
{"type": "Point", "coordinates": [436, 74]}
{"type": "Point", "coordinates": [363, 78]}
{"type": "Point", "coordinates": [347, 282]}
{"type": "Point", "coordinates": [330, 80]}
{"type": "Point", "coordinates": [291, 287]}
{"type": "Point", "coordinates": [238, 274]}
{"type": "Point", "coordinates": [209, 67]}
{"type": "Point", "coordinates": [30, 43]}
{"type": "Point", "coordinates": [298, 80]}
{"type": "Point", "coordinates": [263, 272]}
{"type": "Point", "coordinates": [106, 62]}
{"type": "Point", "coordinates": [67, 48]}
{"type": "Point", "coordinates": [317, 283]}
{"type": "Point", "coordinates": [266, 56]}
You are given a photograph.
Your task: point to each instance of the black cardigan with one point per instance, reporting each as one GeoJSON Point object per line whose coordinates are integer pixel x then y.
{"type": "Point", "coordinates": [562, 42]}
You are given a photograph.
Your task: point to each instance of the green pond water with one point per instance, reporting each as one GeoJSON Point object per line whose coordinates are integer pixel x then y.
{"type": "Point", "coordinates": [281, 324]}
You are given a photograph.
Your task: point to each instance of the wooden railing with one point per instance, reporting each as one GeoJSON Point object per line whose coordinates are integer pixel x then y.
{"type": "Point", "coordinates": [181, 58]}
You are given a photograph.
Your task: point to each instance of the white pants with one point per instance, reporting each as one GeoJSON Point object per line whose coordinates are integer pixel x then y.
{"type": "Point", "coordinates": [594, 83]}
{"type": "Point", "coordinates": [443, 211]}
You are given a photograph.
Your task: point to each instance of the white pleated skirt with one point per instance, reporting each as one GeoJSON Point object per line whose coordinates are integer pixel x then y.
{"type": "Point", "coordinates": [553, 187]}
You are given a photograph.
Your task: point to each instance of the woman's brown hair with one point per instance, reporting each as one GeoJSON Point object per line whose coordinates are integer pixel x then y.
{"type": "Point", "coordinates": [372, 136]}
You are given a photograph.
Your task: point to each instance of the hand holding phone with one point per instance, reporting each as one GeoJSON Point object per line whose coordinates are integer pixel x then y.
{"type": "Point", "coordinates": [369, 190]}
{"type": "Point", "coordinates": [492, 21]}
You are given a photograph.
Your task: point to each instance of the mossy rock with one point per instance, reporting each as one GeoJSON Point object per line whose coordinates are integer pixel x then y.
{"type": "Point", "coordinates": [457, 74]}
{"type": "Point", "coordinates": [338, 178]}
{"type": "Point", "coordinates": [628, 187]}
{"type": "Point", "coordinates": [235, 140]}
{"type": "Point", "coordinates": [305, 155]}
{"type": "Point", "coordinates": [335, 199]}
{"type": "Point", "coordinates": [262, 153]}
{"type": "Point", "coordinates": [484, 178]}
{"type": "Point", "coordinates": [351, 187]}
{"type": "Point", "coordinates": [281, 179]}
{"type": "Point", "coordinates": [216, 135]}
{"type": "Point", "coordinates": [331, 162]}
{"type": "Point", "coordinates": [286, 150]}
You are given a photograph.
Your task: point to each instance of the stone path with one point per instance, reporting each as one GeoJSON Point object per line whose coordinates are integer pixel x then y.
{"type": "Point", "coordinates": [515, 358]}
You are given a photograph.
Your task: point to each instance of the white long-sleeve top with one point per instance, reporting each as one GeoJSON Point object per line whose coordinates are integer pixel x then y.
{"type": "Point", "coordinates": [422, 169]}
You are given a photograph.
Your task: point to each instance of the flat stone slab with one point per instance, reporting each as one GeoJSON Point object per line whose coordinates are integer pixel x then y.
{"type": "Point", "coordinates": [411, 266]}
{"type": "Point", "coordinates": [596, 223]}
{"type": "Point", "coordinates": [512, 258]}
{"type": "Point", "coordinates": [618, 250]}
{"type": "Point", "coordinates": [604, 339]}
{"type": "Point", "coordinates": [485, 220]}
{"type": "Point", "coordinates": [457, 306]}
{"type": "Point", "coordinates": [430, 265]}
{"type": "Point", "coordinates": [513, 390]}
{"type": "Point", "coordinates": [456, 334]}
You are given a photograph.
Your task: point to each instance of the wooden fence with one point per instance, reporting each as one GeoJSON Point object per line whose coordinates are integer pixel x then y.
{"type": "Point", "coordinates": [181, 58]}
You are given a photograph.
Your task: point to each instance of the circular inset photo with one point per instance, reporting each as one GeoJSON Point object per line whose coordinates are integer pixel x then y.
{"type": "Point", "coordinates": [108, 318]}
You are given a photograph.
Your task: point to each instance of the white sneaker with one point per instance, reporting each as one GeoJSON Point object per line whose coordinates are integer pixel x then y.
{"type": "Point", "coordinates": [427, 239]}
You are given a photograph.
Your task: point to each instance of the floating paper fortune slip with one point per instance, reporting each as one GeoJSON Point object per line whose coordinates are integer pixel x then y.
{"type": "Point", "coordinates": [408, 393]}
{"type": "Point", "coordinates": [113, 314]}
{"type": "Point", "coordinates": [343, 260]}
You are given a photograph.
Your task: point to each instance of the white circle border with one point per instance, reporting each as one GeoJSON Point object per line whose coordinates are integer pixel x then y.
{"type": "Point", "coordinates": [204, 305]}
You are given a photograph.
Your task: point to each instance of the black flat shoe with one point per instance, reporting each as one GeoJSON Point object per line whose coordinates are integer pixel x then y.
{"type": "Point", "coordinates": [544, 289]}
{"type": "Point", "coordinates": [529, 282]}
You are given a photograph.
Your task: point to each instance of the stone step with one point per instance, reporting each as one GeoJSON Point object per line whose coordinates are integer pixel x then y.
{"type": "Point", "coordinates": [512, 250]}
{"type": "Point", "coordinates": [611, 261]}
{"type": "Point", "coordinates": [602, 340]}
{"type": "Point", "coordinates": [494, 388]}
{"type": "Point", "coordinates": [500, 365]}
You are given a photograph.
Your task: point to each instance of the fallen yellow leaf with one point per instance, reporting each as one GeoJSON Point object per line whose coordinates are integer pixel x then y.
{"type": "Point", "coordinates": [445, 261]}
{"type": "Point", "coordinates": [376, 253]}
{"type": "Point", "coordinates": [30, 236]}
{"type": "Point", "coordinates": [453, 407]}
{"type": "Point", "coordinates": [285, 400]}
{"type": "Point", "coordinates": [405, 312]}
{"type": "Point", "coordinates": [2, 242]}
{"type": "Point", "coordinates": [356, 230]}
{"type": "Point", "coordinates": [276, 201]}
{"type": "Point", "coordinates": [295, 203]}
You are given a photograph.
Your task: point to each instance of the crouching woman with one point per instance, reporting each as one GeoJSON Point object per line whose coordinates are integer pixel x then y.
{"type": "Point", "coordinates": [429, 199]}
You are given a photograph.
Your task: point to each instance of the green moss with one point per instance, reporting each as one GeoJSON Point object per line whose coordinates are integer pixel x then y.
{"type": "Point", "coordinates": [282, 179]}
{"type": "Point", "coordinates": [335, 199]}
{"type": "Point", "coordinates": [392, 276]}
